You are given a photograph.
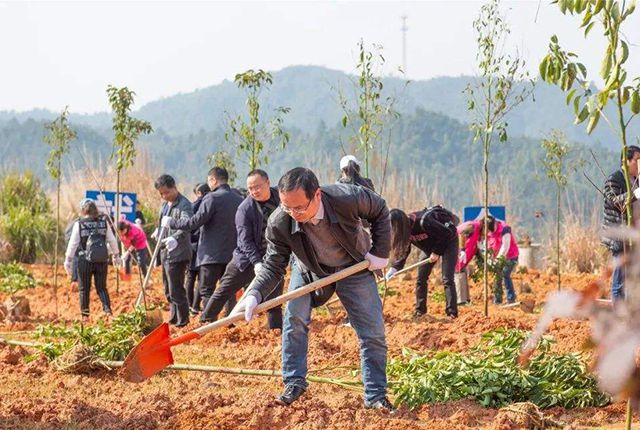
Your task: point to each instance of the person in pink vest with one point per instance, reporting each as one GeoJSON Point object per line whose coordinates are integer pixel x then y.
{"type": "Point", "coordinates": [501, 242]}
{"type": "Point", "coordinates": [135, 242]}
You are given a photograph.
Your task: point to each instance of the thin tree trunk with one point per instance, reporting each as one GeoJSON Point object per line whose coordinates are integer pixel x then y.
{"type": "Point", "coordinates": [57, 244]}
{"type": "Point", "coordinates": [117, 220]}
{"type": "Point", "coordinates": [558, 235]}
{"type": "Point", "coordinates": [485, 268]}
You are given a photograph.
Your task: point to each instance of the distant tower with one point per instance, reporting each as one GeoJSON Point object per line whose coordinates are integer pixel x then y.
{"type": "Point", "coordinates": [404, 44]}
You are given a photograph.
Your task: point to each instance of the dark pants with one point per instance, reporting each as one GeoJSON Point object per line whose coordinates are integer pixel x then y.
{"type": "Point", "coordinates": [173, 281]}
{"type": "Point", "coordinates": [142, 258]}
{"type": "Point", "coordinates": [449, 259]}
{"type": "Point", "coordinates": [210, 274]}
{"type": "Point", "coordinates": [193, 293]}
{"type": "Point", "coordinates": [233, 281]}
{"type": "Point", "coordinates": [508, 283]}
{"type": "Point", "coordinates": [99, 272]}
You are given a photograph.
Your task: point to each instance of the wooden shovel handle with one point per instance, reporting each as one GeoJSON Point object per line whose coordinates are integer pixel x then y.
{"type": "Point", "coordinates": [277, 301]}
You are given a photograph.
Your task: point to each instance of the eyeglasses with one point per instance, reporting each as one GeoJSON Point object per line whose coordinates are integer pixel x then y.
{"type": "Point", "coordinates": [298, 210]}
{"type": "Point", "coordinates": [257, 187]}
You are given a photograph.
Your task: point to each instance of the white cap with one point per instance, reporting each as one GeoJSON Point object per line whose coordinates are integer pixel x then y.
{"type": "Point", "coordinates": [344, 161]}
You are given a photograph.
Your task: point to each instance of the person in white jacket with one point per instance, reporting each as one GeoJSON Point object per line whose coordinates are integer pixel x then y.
{"type": "Point", "coordinates": [93, 240]}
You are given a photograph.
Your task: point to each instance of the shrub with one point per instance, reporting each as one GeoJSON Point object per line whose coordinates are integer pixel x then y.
{"type": "Point", "coordinates": [14, 278]}
{"type": "Point", "coordinates": [25, 216]}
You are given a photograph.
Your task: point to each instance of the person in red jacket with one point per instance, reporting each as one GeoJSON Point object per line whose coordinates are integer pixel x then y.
{"type": "Point", "coordinates": [502, 246]}
{"type": "Point", "coordinates": [135, 242]}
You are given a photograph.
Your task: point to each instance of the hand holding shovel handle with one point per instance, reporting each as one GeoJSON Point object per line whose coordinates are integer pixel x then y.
{"type": "Point", "coordinates": [153, 353]}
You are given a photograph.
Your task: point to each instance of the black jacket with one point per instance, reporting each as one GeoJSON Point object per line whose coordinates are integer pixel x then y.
{"type": "Point", "coordinates": [428, 235]}
{"type": "Point", "coordinates": [249, 222]}
{"type": "Point", "coordinates": [216, 220]}
{"type": "Point", "coordinates": [615, 196]}
{"type": "Point", "coordinates": [345, 207]}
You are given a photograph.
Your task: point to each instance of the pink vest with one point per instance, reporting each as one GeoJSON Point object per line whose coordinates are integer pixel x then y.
{"type": "Point", "coordinates": [494, 239]}
{"type": "Point", "coordinates": [471, 245]}
{"type": "Point", "coordinates": [135, 236]}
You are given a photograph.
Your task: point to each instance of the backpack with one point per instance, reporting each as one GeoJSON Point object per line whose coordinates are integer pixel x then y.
{"type": "Point", "coordinates": [93, 237]}
{"type": "Point", "coordinates": [441, 219]}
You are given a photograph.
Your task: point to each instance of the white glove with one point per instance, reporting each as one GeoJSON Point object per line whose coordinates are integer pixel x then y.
{"type": "Point", "coordinates": [376, 263]}
{"type": "Point", "coordinates": [170, 243]}
{"type": "Point", "coordinates": [166, 221]}
{"type": "Point", "coordinates": [154, 235]}
{"type": "Point", "coordinates": [117, 261]}
{"type": "Point", "coordinates": [462, 257]}
{"type": "Point", "coordinates": [390, 273]}
{"type": "Point", "coordinates": [248, 305]}
{"type": "Point", "coordinates": [68, 267]}
{"type": "Point", "coordinates": [636, 193]}
{"type": "Point", "coordinates": [257, 268]}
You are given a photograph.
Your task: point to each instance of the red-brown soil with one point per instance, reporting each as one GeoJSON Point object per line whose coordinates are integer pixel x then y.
{"type": "Point", "coordinates": [36, 396]}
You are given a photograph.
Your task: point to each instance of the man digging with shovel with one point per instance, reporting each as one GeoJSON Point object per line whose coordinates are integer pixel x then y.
{"type": "Point", "coordinates": [322, 228]}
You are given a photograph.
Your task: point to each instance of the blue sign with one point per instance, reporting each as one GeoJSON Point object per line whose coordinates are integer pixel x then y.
{"type": "Point", "coordinates": [106, 203]}
{"type": "Point", "coordinates": [472, 213]}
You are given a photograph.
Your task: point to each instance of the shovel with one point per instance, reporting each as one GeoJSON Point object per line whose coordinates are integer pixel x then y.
{"type": "Point", "coordinates": [153, 353]}
{"type": "Point", "coordinates": [141, 295]}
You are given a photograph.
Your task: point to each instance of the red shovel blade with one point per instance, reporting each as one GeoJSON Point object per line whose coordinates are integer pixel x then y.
{"type": "Point", "coordinates": [152, 354]}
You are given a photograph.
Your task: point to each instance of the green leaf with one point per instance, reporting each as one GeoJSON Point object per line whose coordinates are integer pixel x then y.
{"type": "Point", "coordinates": [584, 114]}
{"type": "Point", "coordinates": [635, 102]}
{"type": "Point", "coordinates": [570, 96]}
{"type": "Point", "coordinates": [624, 52]}
{"type": "Point", "coordinates": [593, 122]}
{"type": "Point", "coordinates": [588, 29]}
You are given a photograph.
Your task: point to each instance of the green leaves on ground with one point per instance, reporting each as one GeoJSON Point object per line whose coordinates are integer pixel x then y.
{"type": "Point", "coordinates": [489, 373]}
{"type": "Point", "coordinates": [111, 342]}
{"type": "Point", "coordinates": [14, 278]}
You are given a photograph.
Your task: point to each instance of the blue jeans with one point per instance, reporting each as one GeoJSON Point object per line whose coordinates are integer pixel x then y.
{"type": "Point", "coordinates": [359, 295]}
{"type": "Point", "coordinates": [508, 284]}
{"type": "Point", "coordinates": [617, 282]}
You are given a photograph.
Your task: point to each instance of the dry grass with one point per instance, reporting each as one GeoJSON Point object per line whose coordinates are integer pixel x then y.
{"type": "Point", "coordinates": [138, 179]}
{"type": "Point", "coordinates": [580, 247]}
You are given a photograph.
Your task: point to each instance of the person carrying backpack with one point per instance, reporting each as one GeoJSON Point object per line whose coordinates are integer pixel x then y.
{"type": "Point", "coordinates": [93, 240]}
{"type": "Point", "coordinates": [433, 231]}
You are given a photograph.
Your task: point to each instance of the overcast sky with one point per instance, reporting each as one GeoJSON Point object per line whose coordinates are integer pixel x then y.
{"type": "Point", "coordinates": [58, 53]}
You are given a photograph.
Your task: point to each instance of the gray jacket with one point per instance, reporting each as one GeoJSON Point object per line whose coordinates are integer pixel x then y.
{"type": "Point", "coordinates": [345, 206]}
{"type": "Point", "coordinates": [216, 220]}
{"type": "Point", "coordinates": [180, 209]}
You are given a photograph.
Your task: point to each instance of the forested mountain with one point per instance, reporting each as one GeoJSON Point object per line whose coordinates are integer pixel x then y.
{"type": "Point", "coordinates": [436, 148]}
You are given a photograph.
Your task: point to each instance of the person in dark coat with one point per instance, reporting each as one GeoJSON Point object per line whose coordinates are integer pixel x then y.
{"type": "Point", "coordinates": [251, 224]}
{"type": "Point", "coordinates": [193, 294]}
{"type": "Point", "coordinates": [350, 173]}
{"type": "Point", "coordinates": [615, 198]}
{"type": "Point", "coordinates": [216, 220]}
{"type": "Point", "coordinates": [432, 231]}
{"type": "Point", "coordinates": [175, 251]}
{"type": "Point", "coordinates": [322, 228]}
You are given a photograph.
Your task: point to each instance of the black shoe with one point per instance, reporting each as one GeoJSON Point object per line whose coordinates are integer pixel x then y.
{"type": "Point", "coordinates": [418, 314]}
{"type": "Point", "coordinates": [383, 405]}
{"type": "Point", "coordinates": [290, 394]}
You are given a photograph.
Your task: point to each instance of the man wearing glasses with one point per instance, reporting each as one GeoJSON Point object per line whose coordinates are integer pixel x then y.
{"type": "Point", "coordinates": [322, 228]}
{"type": "Point", "coordinates": [251, 223]}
